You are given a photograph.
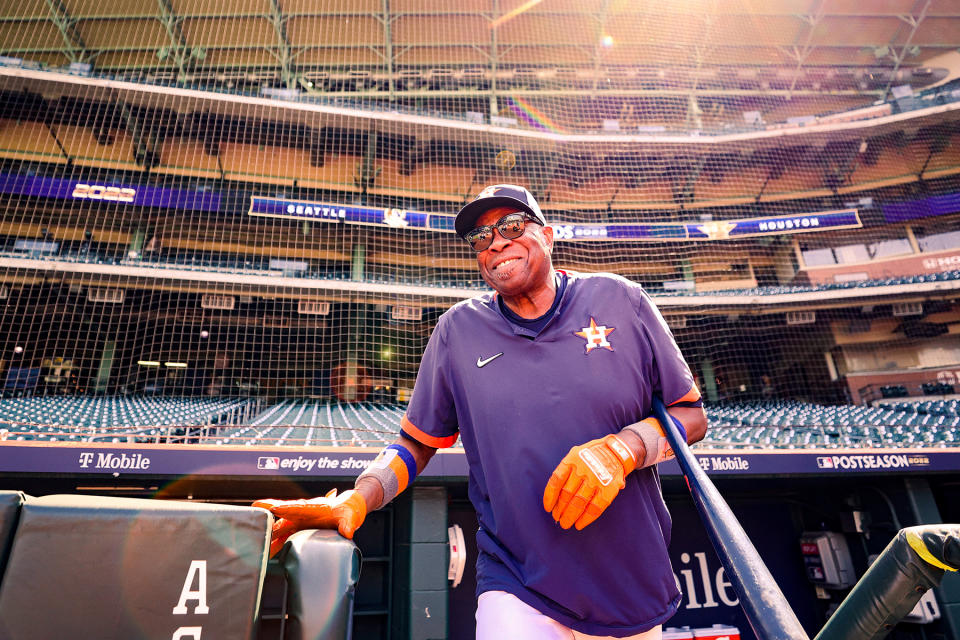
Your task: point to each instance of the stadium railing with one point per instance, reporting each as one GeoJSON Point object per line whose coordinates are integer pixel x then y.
{"type": "Point", "coordinates": [255, 266]}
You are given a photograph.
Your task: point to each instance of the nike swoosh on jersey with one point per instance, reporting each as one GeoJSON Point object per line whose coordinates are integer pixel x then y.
{"type": "Point", "coordinates": [484, 362]}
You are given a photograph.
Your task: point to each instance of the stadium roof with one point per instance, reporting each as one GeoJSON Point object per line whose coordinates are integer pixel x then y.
{"type": "Point", "coordinates": [421, 47]}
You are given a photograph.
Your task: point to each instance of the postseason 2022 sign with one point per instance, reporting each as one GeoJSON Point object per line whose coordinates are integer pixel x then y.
{"type": "Point", "coordinates": [109, 192]}
{"type": "Point", "coordinates": [343, 462]}
{"type": "Point", "coordinates": [650, 232]}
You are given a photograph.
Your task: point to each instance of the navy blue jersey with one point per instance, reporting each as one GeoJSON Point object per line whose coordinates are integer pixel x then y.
{"type": "Point", "coordinates": [519, 405]}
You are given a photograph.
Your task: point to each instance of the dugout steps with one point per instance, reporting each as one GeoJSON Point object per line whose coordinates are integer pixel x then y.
{"type": "Point", "coordinates": [78, 566]}
{"type": "Point", "coordinates": [309, 422]}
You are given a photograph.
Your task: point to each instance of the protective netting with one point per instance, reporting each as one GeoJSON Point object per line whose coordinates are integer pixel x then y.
{"type": "Point", "coordinates": [255, 198]}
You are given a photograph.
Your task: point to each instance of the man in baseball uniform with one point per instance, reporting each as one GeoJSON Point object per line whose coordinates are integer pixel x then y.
{"type": "Point", "coordinates": [549, 382]}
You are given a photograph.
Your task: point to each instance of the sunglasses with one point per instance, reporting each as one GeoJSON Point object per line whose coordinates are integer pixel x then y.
{"type": "Point", "coordinates": [510, 226]}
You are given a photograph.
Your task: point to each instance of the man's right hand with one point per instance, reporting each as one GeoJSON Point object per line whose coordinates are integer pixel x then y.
{"type": "Point", "coordinates": [344, 512]}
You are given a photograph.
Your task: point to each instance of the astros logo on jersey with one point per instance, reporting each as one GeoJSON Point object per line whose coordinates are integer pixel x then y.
{"type": "Point", "coordinates": [595, 335]}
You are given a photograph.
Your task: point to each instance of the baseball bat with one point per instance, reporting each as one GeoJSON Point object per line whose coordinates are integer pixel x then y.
{"type": "Point", "coordinates": [766, 608]}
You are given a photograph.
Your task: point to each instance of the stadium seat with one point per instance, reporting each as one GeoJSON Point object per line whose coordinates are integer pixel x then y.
{"type": "Point", "coordinates": [86, 149]}
{"type": "Point", "coordinates": [797, 181]}
{"type": "Point", "coordinates": [90, 418]}
{"type": "Point", "coordinates": [435, 181]}
{"type": "Point", "coordinates": [893, 166]}
{"type": "Point", "coordinates": [944, 161]}
{"type": "Point", "coordinates": [29, 140]}
{"type": "Point", "coordinates": [894, 391]}
{"type": "Point", "coordinates": [936, 389]}
{"type": "Point", "coordinates": [180, 156]}
{"type": "Point", "coordinates": [786, 424]}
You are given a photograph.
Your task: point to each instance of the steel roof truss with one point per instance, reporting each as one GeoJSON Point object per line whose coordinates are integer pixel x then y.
{"type": "Point", "coordinates": [179, 48]}
{"type": "Point", "coordinates": [76, 49]}
{"type": "Point", "coordinates": [899, 56]}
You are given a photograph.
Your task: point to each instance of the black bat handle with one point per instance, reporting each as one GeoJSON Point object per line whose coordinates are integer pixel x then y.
{"type": "Point", "coordinates": [766, 608]}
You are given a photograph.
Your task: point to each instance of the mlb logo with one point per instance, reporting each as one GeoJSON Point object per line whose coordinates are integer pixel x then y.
{"type": "Point", "coordinates": [825, 462]}
{"type": "Point", "coordinates": [268, 463]}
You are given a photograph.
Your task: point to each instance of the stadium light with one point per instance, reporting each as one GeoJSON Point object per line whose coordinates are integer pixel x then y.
{"type": "Point", "coordinates": [148, 363]}
{"type": "Point", "coordinates": [176, 365]}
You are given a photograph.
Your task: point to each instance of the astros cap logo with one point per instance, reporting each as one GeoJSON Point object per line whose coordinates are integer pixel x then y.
{"type": "Point", "coordinates": [486, 193]}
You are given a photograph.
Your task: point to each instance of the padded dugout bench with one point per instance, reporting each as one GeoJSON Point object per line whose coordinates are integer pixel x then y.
{"type": "Point", "coordinates": [122, 568]}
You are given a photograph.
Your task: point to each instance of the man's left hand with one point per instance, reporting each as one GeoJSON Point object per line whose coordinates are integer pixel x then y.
{"type": "Point", "coordinates": [587, 480]}
{"type": "Point", "coordinates": [344, 512]}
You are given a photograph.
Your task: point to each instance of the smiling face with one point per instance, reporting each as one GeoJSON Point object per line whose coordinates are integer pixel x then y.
{"type": "Point", "coordinates": [519, 267]}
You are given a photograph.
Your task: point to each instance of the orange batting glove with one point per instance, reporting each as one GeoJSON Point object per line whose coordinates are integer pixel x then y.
{"type": "Point", "coordinates": [282, 529]}
{"type": "Point", "coordinates": [344, 512]}
{"type": "Point", "coordinates": [587, 480]}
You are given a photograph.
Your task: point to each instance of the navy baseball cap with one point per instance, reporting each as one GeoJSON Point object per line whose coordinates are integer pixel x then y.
{"type": "Point", "coordinates": [498, 195]}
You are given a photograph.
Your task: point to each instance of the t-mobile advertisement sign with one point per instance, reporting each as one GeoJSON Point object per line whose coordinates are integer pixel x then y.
{"type": "Point", "coordinates": [18, 457]}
